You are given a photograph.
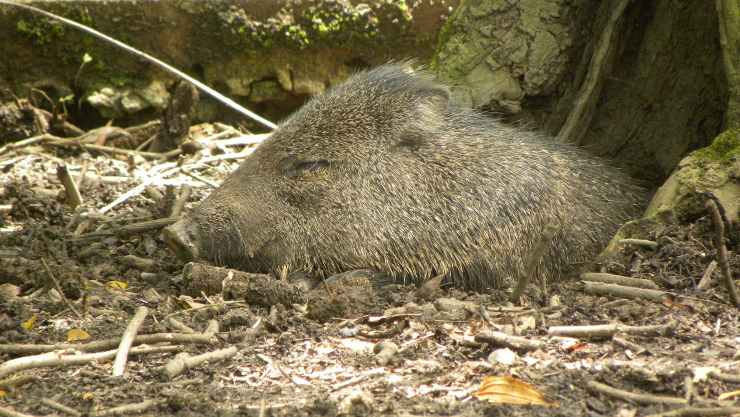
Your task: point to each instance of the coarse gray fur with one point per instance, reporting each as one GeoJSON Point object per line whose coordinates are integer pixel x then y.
{"type": "Point", "coordinates": [383, 172]}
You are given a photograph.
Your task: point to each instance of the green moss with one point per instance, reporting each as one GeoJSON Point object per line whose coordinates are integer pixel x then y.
{"type": "Point", "coordinates": [328, 24]}
{"type": "Point", "coordinates": [445, 33]}
{"type": "Point", "coordinates": [40, 31]}
{"type": "Point", "coordinates": [724, 148]}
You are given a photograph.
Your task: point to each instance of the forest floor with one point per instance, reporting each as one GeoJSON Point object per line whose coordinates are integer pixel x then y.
{"type": "Point", "coordinates": [73, 279]}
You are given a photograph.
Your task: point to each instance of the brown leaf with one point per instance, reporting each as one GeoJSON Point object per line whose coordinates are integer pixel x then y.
{"type": "Point", "coordinates": [510, 390]}
{"type": "Point", "coordinates": [74, 335]}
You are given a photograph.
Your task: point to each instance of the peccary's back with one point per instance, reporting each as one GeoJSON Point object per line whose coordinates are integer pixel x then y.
{"type": "Point", "coordinates": [478, 200]}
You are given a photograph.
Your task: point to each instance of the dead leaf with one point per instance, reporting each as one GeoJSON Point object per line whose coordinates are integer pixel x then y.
{"type": "Point", "coordinates": [510, 390]}
{"type": "Point", "coordinates": [577, 347]}
{"type": "Point", "coordinates": [117, 285]}
{"type": "Point", "coordinates": [30, 323]}
{"type": "Point", "coordinates": [74, 335]}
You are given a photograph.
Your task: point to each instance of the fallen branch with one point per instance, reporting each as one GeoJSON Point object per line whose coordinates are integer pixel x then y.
{"type": "Point", "coordinates": [600, 388]}
{"type": "Point", "coordinates": [70, 357]}
{"type": "Point", "coordinates": [634, 347]}
{"type": "Point", "coordinates": [183, 362]}
{"type": "Point", "coordinates": [182, 338]}
{"type": "Point", "coordinates": [505, 340]}
{"type": "Point", "coordinates": [25, 142]}
{"type": "Point", "coordinates": [142, 264]}
{"type": "Point", "coordinates": [397, 328]}
{"type": "Point", "coordinates": [73, 143]}
{"type": "Point", "coordinates": [356, 380]}
{"type": "Point", "coordinates": [54, 405]}
{"type": "Point", "coordinates": [706, 278]}
{"type": "Point", "coordinates": [214, 306]}
{"type": "Point", "coordinates": [126, 230]}
{"type": "Point", "coordinates": [16, 381]}
{"type": "Point", "coordinates": [179, 326]}
{"type": "Point", "coordinates": [127, 340]}
{"type": "Point", "coordinates": [719, 243]}
{"type": "Point", "coordinates": [9, 412]}
{"type": "Point", "coordinates": [618, 279]}
{"type": "Point", "coordinates": [614, 290]}
{"type": "Point", "coordinates": [179, 205]}
{"type": "Point", "coordinates": [608, 330]}
{"type": "Point", "coordinates": [256, 289]}
{"type": "Point", "coordinates": [639, 242]}
{"type": "Point", "coordinates": [74, 198]}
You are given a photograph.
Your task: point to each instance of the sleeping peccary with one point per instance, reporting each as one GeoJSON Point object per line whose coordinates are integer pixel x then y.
{"type": "Point", "coordinates": [383, 172]}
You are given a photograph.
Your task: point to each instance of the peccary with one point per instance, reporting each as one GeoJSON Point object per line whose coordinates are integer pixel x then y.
{"type": "Point", "coordinates": [384, 172]}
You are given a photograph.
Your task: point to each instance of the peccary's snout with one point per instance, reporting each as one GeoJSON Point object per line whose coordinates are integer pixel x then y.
{"type": "Point", "coordinates": [182, 238]}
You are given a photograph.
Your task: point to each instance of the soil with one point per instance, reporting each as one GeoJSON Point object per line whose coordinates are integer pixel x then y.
{"type": "Point", "coordinates": [317, 358]}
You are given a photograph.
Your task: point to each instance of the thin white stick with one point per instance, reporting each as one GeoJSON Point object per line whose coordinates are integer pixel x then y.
{"type": "Point", "coordinates": [127, 340]}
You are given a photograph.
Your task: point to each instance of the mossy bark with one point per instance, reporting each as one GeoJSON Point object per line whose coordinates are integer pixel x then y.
{"type": "Point", "coordinates": [267, 54]}
{"type": "Point", "coordinates": [662, 91]}
{"type": "Point", "coordinates": [728, 12]}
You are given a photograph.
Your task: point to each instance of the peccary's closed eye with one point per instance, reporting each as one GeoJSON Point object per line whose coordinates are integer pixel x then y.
{"type": "Point", "coordinates": [292, 167]}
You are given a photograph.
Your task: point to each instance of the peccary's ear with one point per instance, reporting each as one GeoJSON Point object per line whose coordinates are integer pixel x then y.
{"type": "Point", "coordinates": [433, 99]}
{"type": "Point", "coordinates": [428, 115]}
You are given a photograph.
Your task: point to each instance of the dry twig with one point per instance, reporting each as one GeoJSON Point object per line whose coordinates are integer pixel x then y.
{"type": "Point", "coordinates": [706, 278]}
{"type": "Point", "coordinates": [70, 357]}
{"type": "Point", "coordinates": [618, 279]}
{"type": "Point", "coordinates": [719, 243]}
{"type": "Point", "coordinates": [128, 339]}
{"type": "Point", "coordinates": [179, 205]}
{"type": "Point", "coordinates": [631, 396]}
{"type": "Point", "coordinates": [54, 405]}
{"type": "Point", "coordinates": [9, 412]}
{"type": "Point", "coordinates": [179, 326]}
{"type": "Point", "coordinates": [505, 340]}
{"type": "Point", "coordinates": [608, 330]}
{"type": "Point", "coordinates": [74, 198]}
{"type": "Point", "coordinates": [184, 362]}
{"type": "Point", "coordinates": [197, 338]}
{"type": "Point", "coordinates": [639, 242]}
{"type": "Point", "coordinates": [356, 380]}
{"type": "Point", "coordinates": [615, 290]}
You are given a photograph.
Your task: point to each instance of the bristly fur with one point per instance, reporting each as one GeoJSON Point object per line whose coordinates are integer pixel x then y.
{"type": "Point", "coordinates": [383, 172]}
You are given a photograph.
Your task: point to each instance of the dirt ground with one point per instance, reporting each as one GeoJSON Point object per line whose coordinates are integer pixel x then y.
{"type": "Point", "coordinates": [75, 277]}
